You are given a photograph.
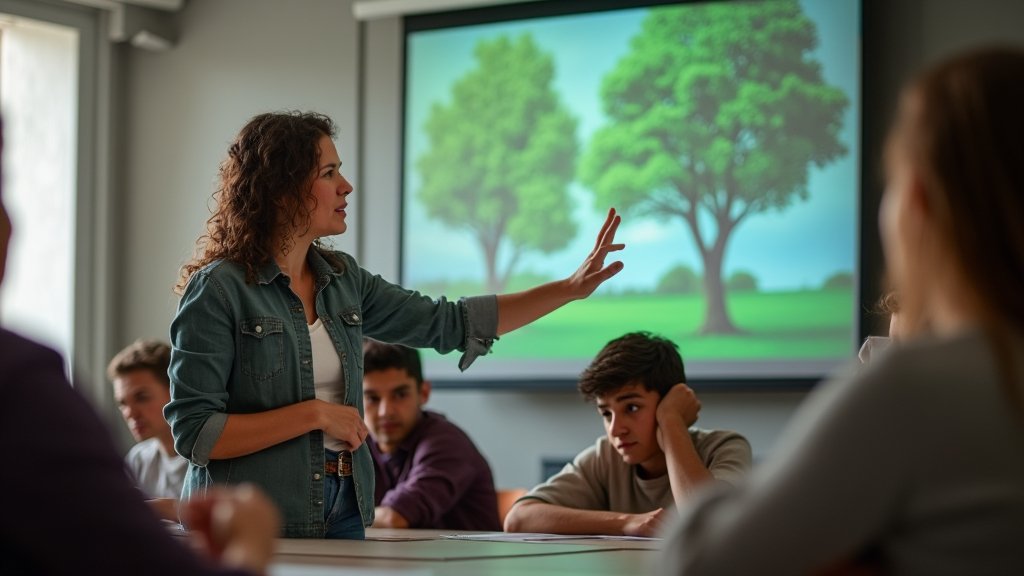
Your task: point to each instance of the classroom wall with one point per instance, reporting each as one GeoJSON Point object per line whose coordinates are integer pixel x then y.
{"type": "Point", "coordinates": [235, 58]}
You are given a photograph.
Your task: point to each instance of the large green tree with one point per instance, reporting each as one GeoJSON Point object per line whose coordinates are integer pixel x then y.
{"type": "Point", "coordinates": [501, 156]}
{"type": "Point", "coordinates": [716, 113]}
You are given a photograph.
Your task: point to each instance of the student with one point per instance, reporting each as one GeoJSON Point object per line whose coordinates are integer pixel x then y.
{"type": "Point", "coordinates": [266, 371]}
{"type": "Point", "coordinates": [429, 473]}
{"type": "Point", "coordinates": [142, 389]}
{"type": "Point", "coordinates": [914, 464]}
{"type": "Point", "coordinates": [70, 508]}
{"type": "Point", "coordinates": [651, 460]}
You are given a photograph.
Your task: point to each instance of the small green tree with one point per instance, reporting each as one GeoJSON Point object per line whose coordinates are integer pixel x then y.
{"type": "Point", "coordinates": [679, 279]}
{"type": "Point", "coordinates": [742, 281]}
{"type": "Point", "coordinates": [502, 154]}
{"type": "Point", "coordinates": [714, 115]}
{"type": "Point", "coordinates": [838, 280]}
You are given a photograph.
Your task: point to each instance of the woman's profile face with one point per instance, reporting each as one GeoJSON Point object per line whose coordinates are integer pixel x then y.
{"type": "Point", "coordinates": [327, 201]}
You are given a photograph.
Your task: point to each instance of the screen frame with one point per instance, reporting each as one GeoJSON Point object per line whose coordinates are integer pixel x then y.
{"type": "Point", "coordinates": [867, 277]}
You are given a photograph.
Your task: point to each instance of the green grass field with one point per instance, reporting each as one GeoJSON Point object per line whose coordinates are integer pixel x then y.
{"type": "Point", "coordinates": [777, 325]}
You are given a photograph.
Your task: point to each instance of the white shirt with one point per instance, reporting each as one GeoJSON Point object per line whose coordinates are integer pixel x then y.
{"type": "Point", "coordinates": [157, 474]}
{"type": "Point", "coordinates": [328, 380]}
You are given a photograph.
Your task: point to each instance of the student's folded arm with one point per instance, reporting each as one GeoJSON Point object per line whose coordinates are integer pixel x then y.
{"type": "Point", "coordinates": [686, 471]}
{"type": "Point", "coordinates": [574, 501]}
{"type": "Point", "coordinates": [533, 515]}
{"type": "Point", "coordinates": [439, 478]}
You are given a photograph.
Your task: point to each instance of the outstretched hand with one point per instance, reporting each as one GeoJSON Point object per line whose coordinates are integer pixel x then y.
{"type": "Point", "coordinates": [520, 308]}
{"type": "Point", "coordinates": [593, 272]}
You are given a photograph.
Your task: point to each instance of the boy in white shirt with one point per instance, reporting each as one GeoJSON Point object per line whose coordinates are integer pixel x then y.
{"type": "Point", "coordinates": [141, 389]}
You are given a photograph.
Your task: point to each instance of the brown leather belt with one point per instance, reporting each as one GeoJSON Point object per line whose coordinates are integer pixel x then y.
{"type": "Point", "coordinates": [340, 467]}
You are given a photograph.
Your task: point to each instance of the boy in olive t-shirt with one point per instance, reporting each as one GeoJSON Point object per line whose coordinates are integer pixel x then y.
{"type": "Point", "coordinates": [651, 459]}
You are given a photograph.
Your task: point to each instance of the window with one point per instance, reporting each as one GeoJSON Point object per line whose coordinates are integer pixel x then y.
{"type": "Point", "coordinates": [55, 78]}
{"type": "Point", "coordinates": [39, 101]}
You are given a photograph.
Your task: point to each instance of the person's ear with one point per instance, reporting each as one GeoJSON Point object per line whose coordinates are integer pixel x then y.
{"type": "Point", "coordinates": [424, 392]}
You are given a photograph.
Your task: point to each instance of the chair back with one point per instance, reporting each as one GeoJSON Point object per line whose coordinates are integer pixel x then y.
{"type": "Point", "coordinates": [506, 498]}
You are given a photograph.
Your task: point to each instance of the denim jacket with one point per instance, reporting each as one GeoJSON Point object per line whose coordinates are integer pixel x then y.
{"type": "Point", "coordinates": [242, 348]}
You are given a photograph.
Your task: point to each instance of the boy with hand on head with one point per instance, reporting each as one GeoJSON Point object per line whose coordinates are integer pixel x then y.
{"type": "Point", "coordinates": [142, 389]}
{"type": "Point", "coordinates": [429, 473]}
{"type": "Point", "coordinates": [651, 460]}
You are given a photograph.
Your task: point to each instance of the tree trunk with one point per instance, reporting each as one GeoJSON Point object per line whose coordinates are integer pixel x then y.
{"type": "Point", "coordinates": [495, 284]}
{"type": "Point", "coordinates": [716, 317]}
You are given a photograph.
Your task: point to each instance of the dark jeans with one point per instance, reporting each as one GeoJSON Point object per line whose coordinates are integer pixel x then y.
{"type": "Point", "coordinates": [341, 512]}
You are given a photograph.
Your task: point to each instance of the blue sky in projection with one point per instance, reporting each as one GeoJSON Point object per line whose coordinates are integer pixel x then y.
{"type": "Point", "coordinates": [796, 248]}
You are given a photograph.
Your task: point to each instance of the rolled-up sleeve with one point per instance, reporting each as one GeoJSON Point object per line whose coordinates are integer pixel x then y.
{"type": "Point", "coordinates": [202, 354]}
{"type": "Point", "coordinates": [481, 318]}
{"type": "Point", "coordinates": [400, 316]}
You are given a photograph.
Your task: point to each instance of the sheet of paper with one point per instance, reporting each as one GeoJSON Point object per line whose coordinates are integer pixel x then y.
{"type": "Point", "coordinates": [399, 538]}
{"type": "Point", "coordinates": [536, 537]}
{"type": "Point", "coordinates": [310, 570]}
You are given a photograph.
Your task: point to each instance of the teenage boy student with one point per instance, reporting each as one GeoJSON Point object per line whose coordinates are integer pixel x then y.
{"type": "Point", "coordinates": [429, 473]}
{"type": "Point", "coordinates": [651, 459]}
{"type": "Point", "coordinates": [141, 390]}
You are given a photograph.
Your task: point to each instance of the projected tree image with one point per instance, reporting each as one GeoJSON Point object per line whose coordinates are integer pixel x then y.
{"type": "Point", "coordinates": [715, 114]}
{"type": "Point", "coordinates": [501, 156]}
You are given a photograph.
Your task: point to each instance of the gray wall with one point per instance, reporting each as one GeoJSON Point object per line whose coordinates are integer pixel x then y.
{"type": "Point", "coordinates": [236, 58]}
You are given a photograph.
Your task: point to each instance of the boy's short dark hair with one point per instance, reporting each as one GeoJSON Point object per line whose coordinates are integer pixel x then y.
{"type": "Point", "coordinates": [635, 358]}
{"type": "Point", "coordinates": [152, 355]}
{"type": "Point", "coordinates": [380, 356]}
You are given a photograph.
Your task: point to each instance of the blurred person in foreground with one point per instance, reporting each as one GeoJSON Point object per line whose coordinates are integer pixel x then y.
{"type": "Point", "coordinates": [73, 510]}
{"type": "Point", "coordinates": [913, 465]}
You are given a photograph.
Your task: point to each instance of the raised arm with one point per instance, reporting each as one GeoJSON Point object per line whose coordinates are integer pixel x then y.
{"type": "Point", "coordinates": [521, 308]}
{"type": "Point", "coordinates": [677, 411]}
{"type": "Point", "coordinates": [532, 515]}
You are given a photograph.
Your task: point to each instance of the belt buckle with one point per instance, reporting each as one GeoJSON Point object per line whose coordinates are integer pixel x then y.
{"type": "Point", "coordinates": [344, 463]}
{"type": "Point", "coordinates": [340, 467]}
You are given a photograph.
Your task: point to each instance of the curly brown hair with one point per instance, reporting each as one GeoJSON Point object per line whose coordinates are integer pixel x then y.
{"type": "Point", "coordinates": [263, 188]}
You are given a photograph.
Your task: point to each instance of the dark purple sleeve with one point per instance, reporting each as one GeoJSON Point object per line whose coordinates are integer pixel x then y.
{"type": "Point", "coordinates": [70, 505]}
{"type": "Point", "coordinates": [445, 464]}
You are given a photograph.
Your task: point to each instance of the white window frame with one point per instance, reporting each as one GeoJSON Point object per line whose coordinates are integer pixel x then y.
{"type": "Point", "coordinates": [93, 298]}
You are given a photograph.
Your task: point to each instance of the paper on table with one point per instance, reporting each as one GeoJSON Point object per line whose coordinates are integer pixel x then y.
{"type": "Point", "coordinates": [537, 537]}
{"type": "Point", "coordinates": [399, 538]}
{"type": "Point", "coordinates": [310, 570]}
